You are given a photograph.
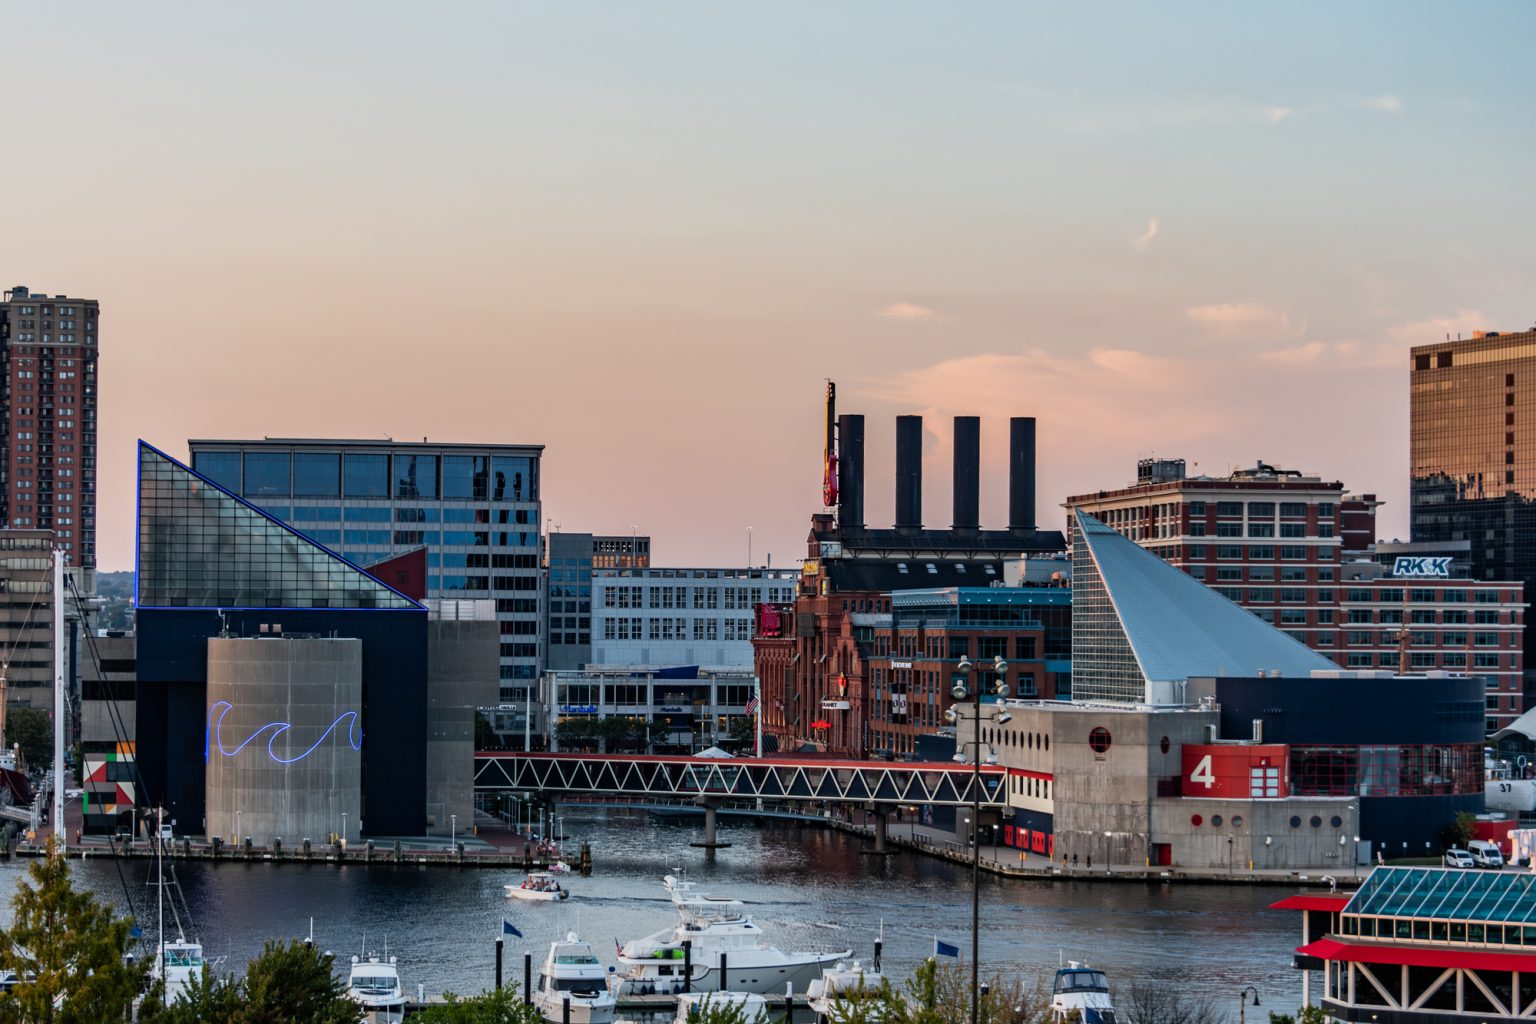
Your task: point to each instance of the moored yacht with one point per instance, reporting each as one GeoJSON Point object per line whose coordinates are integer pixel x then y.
{"type": "Point", "coordinates": [571, 973]}
{"type": "Point", "coordinates": [374, 983]}
{"type": "Point", "coordinates": [840, 986]}
{"type": "Point", "coordinates": [723, 940]}
{"type": "Point", "coordinates": [1082, 991]}
{"type": "Point", "coordinates": [750, 1004]}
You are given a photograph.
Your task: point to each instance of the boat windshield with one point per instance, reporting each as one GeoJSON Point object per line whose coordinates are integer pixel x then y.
{"type": "Point", "coordinates": [591, 985]}
{"type": "Point", "coordinates": [184, 956]}
{"type": "Point", "coordinates": [373, 984]}
{"type": "Point", "coordinates": [575, 958]}
{"type": "Point", "coordinates": [1081, 981]}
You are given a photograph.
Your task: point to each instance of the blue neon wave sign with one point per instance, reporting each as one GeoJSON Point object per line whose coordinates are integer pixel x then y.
{"type": "Point", "coordinates": [215, 735]}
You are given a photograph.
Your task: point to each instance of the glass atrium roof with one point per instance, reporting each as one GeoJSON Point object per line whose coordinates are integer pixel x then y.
{"type": "Point", "coordinates": [1448, 894]}
{"type": "Point", "coordinates": [1176, 626]}
{"type": "Point", "coordinates": [202, 547]}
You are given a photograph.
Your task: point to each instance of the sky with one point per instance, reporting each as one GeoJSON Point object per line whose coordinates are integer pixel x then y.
{"type": "Point", "coordinates": [644, 234]}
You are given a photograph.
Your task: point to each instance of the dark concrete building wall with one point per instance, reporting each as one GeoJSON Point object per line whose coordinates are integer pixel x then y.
{"type": "Point", "coordinates": [461, 679]}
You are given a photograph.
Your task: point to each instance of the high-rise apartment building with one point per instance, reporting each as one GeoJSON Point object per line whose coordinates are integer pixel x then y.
{"type": "Point", "coordinates": [569, 560]}
{"type": "Point", "coordinates": [475, 509]}
{"type": "Point", "coordinates": [48, 349]}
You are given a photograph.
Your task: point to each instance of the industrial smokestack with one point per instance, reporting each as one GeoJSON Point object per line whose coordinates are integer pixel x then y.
{"type": "Point", "coordinates": [909, 472]}
{"type": "Point", "coordinates": [1021, 473]}
{"type": "Point", "coordinates": [850, 471]}
{"type": "Point", "coordinates": [967, 472]}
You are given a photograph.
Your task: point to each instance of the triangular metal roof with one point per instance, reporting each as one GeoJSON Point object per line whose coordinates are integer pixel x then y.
{"type": "Point", "coordinates": [1176, 626]}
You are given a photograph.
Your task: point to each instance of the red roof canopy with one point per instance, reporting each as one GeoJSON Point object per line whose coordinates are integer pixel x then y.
{"type": "Point", "coordinates": [1314, 901]}
{"type": "Point", "coordinates": [1420, 956]}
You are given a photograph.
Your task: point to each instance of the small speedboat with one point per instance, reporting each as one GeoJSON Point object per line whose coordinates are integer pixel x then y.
{"type": "Point", "coordinates": [750, 1004]}
{"type": "Point", "coordinates": [1081, 994]}
{"type": "Point", "coordinates": [842, 985]}
{"type": "Point", "coordinates": [374, 984]}
{"type": "Point", "coordinates": [571, 974]}
{"type": "Point", "coordinates": [540, 886]}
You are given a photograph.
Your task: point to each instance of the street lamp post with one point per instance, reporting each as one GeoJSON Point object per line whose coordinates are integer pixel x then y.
{"type": "Point", "coordinates": [453, 829]}
{"type": "Point", "coordinates": [960, 691]}
{"type": "Point", "coordinates": [343, 828]}
{"type": "Point", "coordinates": [1242, 1003]}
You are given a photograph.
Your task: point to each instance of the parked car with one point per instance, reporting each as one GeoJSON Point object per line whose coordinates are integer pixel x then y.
{"type": "Point", "coordinates": [1485, 854]}
{"type": "Point", "coordinates": [1458, 858]}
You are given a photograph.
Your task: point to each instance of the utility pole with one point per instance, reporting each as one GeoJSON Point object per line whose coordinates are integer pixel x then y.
{"type": "Point", "coordinates": [60, 833]}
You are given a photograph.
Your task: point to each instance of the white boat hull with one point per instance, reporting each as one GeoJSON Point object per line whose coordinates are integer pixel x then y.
{"type": "Point", "coordinates": [582, 1011]}
{"type": "Point", "coordinates": [536, 895]}
{"type": "Point", "coordinates": [744, 973]}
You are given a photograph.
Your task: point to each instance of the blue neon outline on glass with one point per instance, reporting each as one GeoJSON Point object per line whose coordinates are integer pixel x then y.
{"type": "Point", "coordinates": [306, 538]}
{"type": "Point", "coordinates": [214, 736]}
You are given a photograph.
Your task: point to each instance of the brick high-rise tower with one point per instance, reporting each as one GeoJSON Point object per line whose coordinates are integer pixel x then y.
{"type": "Point", "coordinates": [48, 349]}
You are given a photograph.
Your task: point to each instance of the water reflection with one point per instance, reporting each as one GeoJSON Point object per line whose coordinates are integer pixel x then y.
{"type": "Point", "coordinates": [807, 887]}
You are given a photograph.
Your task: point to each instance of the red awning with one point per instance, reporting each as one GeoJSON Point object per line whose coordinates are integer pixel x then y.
{"type": "Point", "coordinates": [1420, 956]}
{"type": "Point", "coordinates": [1315, 901]}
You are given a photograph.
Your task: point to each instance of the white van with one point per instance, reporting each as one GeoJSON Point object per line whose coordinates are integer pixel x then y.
{"type": "Point", "coordinates": [1486, 854]}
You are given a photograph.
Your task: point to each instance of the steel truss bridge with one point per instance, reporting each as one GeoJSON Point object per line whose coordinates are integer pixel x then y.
{"type": "Point", "coordinates": [703, 779]}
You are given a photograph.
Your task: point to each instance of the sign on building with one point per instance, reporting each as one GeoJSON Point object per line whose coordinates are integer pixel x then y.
{"type": "Point", "coordinates": [1421, 567]}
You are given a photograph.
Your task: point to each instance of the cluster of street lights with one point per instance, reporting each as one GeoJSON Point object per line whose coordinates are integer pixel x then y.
{"type": "Point", "coordinates": [960, 690]}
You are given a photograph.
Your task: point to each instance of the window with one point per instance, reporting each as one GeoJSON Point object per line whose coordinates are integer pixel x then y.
{"type": "Point", "coordinates": [1229, 551]}
{"type": "Point", "coordinates": [466, 476]}
{"type": "Point", "coordinates": [1229, 508]}
{"type": "Point", "coordinates": [266, 474]}
{"type": "Point", "coordinates": [1261, 510]}
{"type": "Point", "coordinates": [514, 478]}
{"type": "Point", "coordinates": [1261, 552]}
{"type": "Point", "coordinates": [416, 476]}
{"type": "Point", "coordinates": [1229, 529]}
{"type": "Point", "coordinates": [1197, 508]}
{"type": "Point", "coordinates": [1293, 553]}
{"type": "Point", "coordinates": [1293, 530]}
{"type": "Point", "coordinates": [1292, 510]}
{"type": "Point", "coordinates": [367, 476]}
{"type": "Point", "coordinates": [317, 474]}
{"type": "Point", "coordinates": [1325, 510]}
{"type": "Point", "coordinates": [1261, 529]}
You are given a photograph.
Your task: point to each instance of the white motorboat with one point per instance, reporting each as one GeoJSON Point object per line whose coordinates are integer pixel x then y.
{"type": "Point", "coordinates": [571, 973]}
{"type": "Point", "coordinates": [539, 886]}
{"type": "Point", "coordinates": [750, 1004]}
{"type": "Point", "coordinates": [722, 940]}
{"type": "Point", "coordinates": [1081, 994]}
{"type": "Point", "coordinates": [180, 961]}
{"type": "Point", "coordinates": [374, 983]}
{"type": "Point", "coordinates": [841, 985]}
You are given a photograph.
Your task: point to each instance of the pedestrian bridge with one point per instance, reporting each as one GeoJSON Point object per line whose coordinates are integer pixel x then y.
{"type": "Point", "coordinates": [943, 784]}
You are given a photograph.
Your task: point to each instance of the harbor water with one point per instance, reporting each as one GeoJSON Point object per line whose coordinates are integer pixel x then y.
{"type": "Point", "coordinates": [808, 887]}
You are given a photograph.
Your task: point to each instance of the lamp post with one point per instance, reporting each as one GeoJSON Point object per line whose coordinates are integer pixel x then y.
{"type": "Point", "coordinates": [1357, 858]}
{"type": "Point", "coordinates": [959, 690]}
{"type": "Point", "coordinates": [1242, 1003]}
{"type": "Point", "coordinates": [453, 829]}
{"type": "Point", "coordinates": [343, 828]}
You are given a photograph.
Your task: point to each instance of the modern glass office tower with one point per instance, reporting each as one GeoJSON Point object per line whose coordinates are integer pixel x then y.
{"type": "Point", "coordinates": [475, 509]}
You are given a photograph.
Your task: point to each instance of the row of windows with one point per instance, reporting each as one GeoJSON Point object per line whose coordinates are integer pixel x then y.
{"type": "Point", "coordinates": [261, 474]}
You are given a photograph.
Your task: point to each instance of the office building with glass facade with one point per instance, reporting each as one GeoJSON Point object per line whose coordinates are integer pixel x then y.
{"type": "Point", "coordinates": [475, 509]}
{"type": "Point", "coordinates": [1472, 429]}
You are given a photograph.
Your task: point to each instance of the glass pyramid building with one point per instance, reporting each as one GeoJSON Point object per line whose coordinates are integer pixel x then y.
{"type": "Point", "coordinates": [1141, 627]}
{"type": "Point", "coordinates": [200, 546]}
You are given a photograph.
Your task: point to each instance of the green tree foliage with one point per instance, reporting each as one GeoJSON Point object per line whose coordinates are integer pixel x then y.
{"type": "Point", "coordinates": [31, 729]}
{"type": "Point", "coordinates": [616, 729]}
{"type": "Point", "coordinates": [69, 952]}
{"type": "Point", "coordinates": [743, 731]}
{"type": "Point", "coordinates": [942, 995]}
{"type": "Point", "coordinates": [710, 1011]}
{"type": "Point", "coordinates": [1459, 832]}
{"type": "Point", "coordinates": [500, 1007]}
{"type": "Point", "coordinates": [485, 737]}
{"type": "Point", "coordinates": [287, 983]}
{"type": "Point", "coordinates": [1308, 1015]}
{"type": "Point", "coordinates": [579, 733]}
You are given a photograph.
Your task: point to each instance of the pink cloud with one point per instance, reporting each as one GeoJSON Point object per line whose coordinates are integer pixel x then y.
{"type": "Point", "coordinates": [907, 311]}
{"type": "Point", "coordinates": [1238, 317]}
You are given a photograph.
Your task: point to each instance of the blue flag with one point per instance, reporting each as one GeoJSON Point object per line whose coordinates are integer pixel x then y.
{"type": "Point", "coordinates": [945, 949]}
{"type": "Point", "coordinates": [508, 928]}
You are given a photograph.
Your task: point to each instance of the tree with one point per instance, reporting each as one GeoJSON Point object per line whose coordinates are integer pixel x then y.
{"type": "Point", "coordinates": [499, 1007]}
{"type": "Point", "coordinates": [942, 995]}
{"type": "Point", "coordinates": [576, 733]}
{"type": "Point", "coordinates": [286, 982]}
{"type": "Point", "coordinates": [743, 730]}
{"type": "Point", "coordinates": [32, 730]}
{"type": "Point", "coordinates": [68, 952]}
{"type": "Point", "coordinates": [1308, 1015]}
{"type": "Point", "coordinates": [1459, 832]}
{"type": "Point", "coordinates": [1149, 1003]}
{"type": "Point", "coordinates": [290, 981]}
{"type": "Point", "coordinates": [485, 736]}
{"type": "Point", "coordinates": [713, 1011]}
{"type": "Point", "coordinates": [615, 729]}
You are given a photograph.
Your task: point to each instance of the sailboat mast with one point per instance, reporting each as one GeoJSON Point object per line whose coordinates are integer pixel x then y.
{"type": "Point", "coordinates": [60, 833]}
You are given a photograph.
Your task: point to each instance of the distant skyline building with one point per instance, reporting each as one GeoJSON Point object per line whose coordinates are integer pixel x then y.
{"type": "Point", "coordinates": [475, 509]}
{"type": "Point", "coordinates": [48, 350]}
{"type": "Point", "coordinates": [569, 561]}
{"type": "Point", "coordinates": [1472, 450]}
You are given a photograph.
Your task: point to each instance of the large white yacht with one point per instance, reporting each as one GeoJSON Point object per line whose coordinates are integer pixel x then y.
{"type": "Point", "coordinates": [1081, 994]}
{"type": "Point", "coordinates": [374, 984]}
{"type": "Point", "coordinates": [571, 972]}
{"type": "Point", "coordinates": [722, 935]}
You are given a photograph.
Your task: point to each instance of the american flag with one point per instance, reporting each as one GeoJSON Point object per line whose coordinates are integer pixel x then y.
{"type": "Point", "coordinates": [752, 705]}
